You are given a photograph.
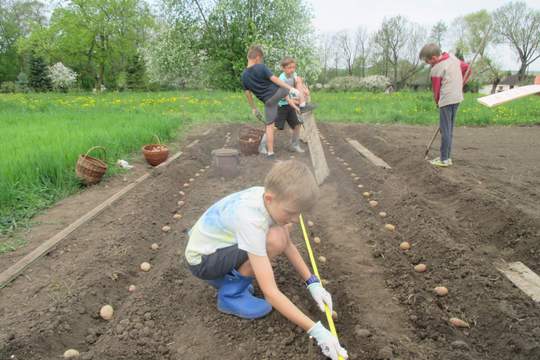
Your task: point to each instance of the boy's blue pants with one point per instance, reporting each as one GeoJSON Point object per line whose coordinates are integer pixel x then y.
{"type": "Point", "coordinates": [447, 117]}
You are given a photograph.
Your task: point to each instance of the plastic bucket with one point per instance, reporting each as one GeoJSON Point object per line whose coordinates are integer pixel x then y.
{"type": "Point", "coordinates": [227, 161]}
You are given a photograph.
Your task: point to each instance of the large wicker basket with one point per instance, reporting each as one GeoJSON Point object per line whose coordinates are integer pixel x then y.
{"type": "Point", "coordinates": [155, 154]}
{"type": "Point", "coordinates": [250, 139]}
{"type": "Point", "coordinates": [89, 169]}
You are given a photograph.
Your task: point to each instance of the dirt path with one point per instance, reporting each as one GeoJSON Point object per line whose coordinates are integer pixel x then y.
{"type": "Point", "coordinates": [459, 221]}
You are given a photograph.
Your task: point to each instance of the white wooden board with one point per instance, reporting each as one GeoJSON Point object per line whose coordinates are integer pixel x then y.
{"type": "Point", "coordinates": [509, 95]}
{"type": "Point", "coordinates": [318, 159]}
{"type": "Point", "coordinates": [375, 160]}
{"type": "Point", "coordinates": [523, 277]}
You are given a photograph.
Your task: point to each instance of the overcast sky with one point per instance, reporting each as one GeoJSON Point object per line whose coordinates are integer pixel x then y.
{"type": "Point", "coordinates": [336, 15]}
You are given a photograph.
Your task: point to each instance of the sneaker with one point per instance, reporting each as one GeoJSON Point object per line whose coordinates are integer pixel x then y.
{"type": "Point", "coordinates": [296, 148]}
{"type": "Point", "coordinates": [440, 163]}
{"type": "Point", "coordinates": [450, 163]}
{"type": "Point", "coordinates": [270, 156]}
{"type": "Point", "coordinates": [308, 107]}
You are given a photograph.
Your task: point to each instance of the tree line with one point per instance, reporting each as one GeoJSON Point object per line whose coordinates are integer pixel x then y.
{"type": "Point", "coordinates": [138, 45]}
{"type": "Point", "coordinates": [392, 50]}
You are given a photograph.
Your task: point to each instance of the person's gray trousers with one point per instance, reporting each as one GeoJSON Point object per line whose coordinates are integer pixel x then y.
{"type": "Point", "coordinates": [447, 117]}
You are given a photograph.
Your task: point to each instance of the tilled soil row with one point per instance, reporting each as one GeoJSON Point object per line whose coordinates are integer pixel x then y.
{"type": "Point", "coordinates": [459, 231]}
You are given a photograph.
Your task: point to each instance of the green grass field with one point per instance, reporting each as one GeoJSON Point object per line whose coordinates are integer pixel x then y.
{"type": "Point", "coordinates": [43, 134]}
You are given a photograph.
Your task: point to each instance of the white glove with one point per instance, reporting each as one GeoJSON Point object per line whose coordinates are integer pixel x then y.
{"type": "Point", "coordinates": [294, 93]}
{"type": "Point", "coordinates": [320, 295]}
{"type": "Point", "coordinates": [328, 343]}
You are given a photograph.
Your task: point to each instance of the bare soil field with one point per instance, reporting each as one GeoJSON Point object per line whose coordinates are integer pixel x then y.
{"type": "Point", "coordinates": [459, 222]}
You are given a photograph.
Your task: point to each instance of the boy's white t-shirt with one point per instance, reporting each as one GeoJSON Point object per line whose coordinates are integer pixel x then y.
{"type": "Point", "coordinates": [289, 81]}
{"type": "Point", "coordinates": [240, 218]}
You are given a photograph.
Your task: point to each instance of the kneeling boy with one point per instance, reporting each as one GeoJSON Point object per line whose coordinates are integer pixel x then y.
{"type": "Point", "coordinates": [237, 237]}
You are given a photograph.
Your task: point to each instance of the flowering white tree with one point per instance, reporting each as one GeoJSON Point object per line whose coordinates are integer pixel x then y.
{"type": "Point", "coordinates": [62, 77]}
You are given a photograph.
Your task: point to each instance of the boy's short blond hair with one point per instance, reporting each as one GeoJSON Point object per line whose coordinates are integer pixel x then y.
{"type": "Point", "coordinates": [429, 51]}
{"type": "Point", "coordinates": [254, 51]}
{"type": "Point", "coordinates": [287, 60]}
{"type": "Point", "coordinates": [294, 182]}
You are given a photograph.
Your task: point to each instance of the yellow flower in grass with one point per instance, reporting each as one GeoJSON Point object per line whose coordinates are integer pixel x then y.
{"type": "Point", "coordinates": [358, 109]}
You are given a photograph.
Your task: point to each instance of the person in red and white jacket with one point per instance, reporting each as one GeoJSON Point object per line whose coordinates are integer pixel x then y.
{"type": "Point", "coordinates": [448, 75]}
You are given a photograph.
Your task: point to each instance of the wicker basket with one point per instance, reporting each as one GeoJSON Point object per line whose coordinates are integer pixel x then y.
{"type": "Point", "coordinates": [250, 139]}
{"type": "Point", "coordinates": [155, 154]}
{"type": "Point", "coordinates": [89, 169]}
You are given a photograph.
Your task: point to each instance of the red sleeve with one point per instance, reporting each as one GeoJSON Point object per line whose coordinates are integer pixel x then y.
{"type": "Point", "coordinates": [464, 67]}
{"type": "Point", "coordinates": [436, 82]}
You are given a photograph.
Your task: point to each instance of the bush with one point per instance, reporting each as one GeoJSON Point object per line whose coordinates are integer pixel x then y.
{"type": "Point", "coordinates": [8, 87]}
{"type": "Point", "coordinates": [345, 83]}
{"type": "Point", "coordinates": [22, 83]}
{"type": "Point", "coordinates": [62, 77]}
{"type": "Point", "coordinates": [354, 83]}
{"type": "Point", "coordinates": [375, 83]}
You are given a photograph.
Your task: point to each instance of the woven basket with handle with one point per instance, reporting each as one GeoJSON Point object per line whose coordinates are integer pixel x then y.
{"type": "Point", "coordinates": [90, 170]}
{"type": "Point", "coordinates": [155, 154]}
{"type": "Point", "coordinates": [249, 139]}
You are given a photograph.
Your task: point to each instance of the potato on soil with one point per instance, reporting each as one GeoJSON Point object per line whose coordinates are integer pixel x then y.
{"type": "Point", "coordinates": [166, 228]}
{"type": "Point", "coordinates": [310, 223]}
{"type": "Point", "coordinates": [390, 227]}
{"type": "Point", "coordinates": [420, 268]}
{"type": "Point", "coordinates": [459, 323]}
{"type": "Point", "coordinates": [71, 354]}
{"type": "Point", "coordinates": [322, 259]}
{"type": "Point", "coordinates": [132, 288]}
{"type": "Point", "coordinates": [181, 203]}
{"type": "Point", "coordinates": [405, 245]}
{"type": "Point", "coordinates": [106, 312]}
{"type": "Point", "coordinates": [366, 193]}
{"type": "Point", "coordinates": [373, 203]}
{"type": "Point", "coordinates": [182, 193]}
{"type": "Point", "coordinates": [154, 246]}
{"type": "Point", "coordinates": [186, 185]}
{"type": "Point", "coordinates": [382, 214]}
{"type": "Point", "coordinates": [177, 216]}
{"type": "Point", "coordinates": [441, 291]}
{"type": "Point", "coordinates": [145, 266]}
{"type": "Point", "coordinates": [191, 179]}
{"type": "Point", "coordinates": [317, 240]}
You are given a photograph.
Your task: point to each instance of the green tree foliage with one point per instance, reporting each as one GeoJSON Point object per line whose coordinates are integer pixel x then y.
{"type": "Point", "coordinates": [136, 73]}
{"type": "Point", "coordinates": [39, 74]}
{"type": "Point", "coordinates": [222, 31]}
{"type": "Point", "coordinates": [17, 18]}
{"type": "Point", "coordinates": [94, 37]}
